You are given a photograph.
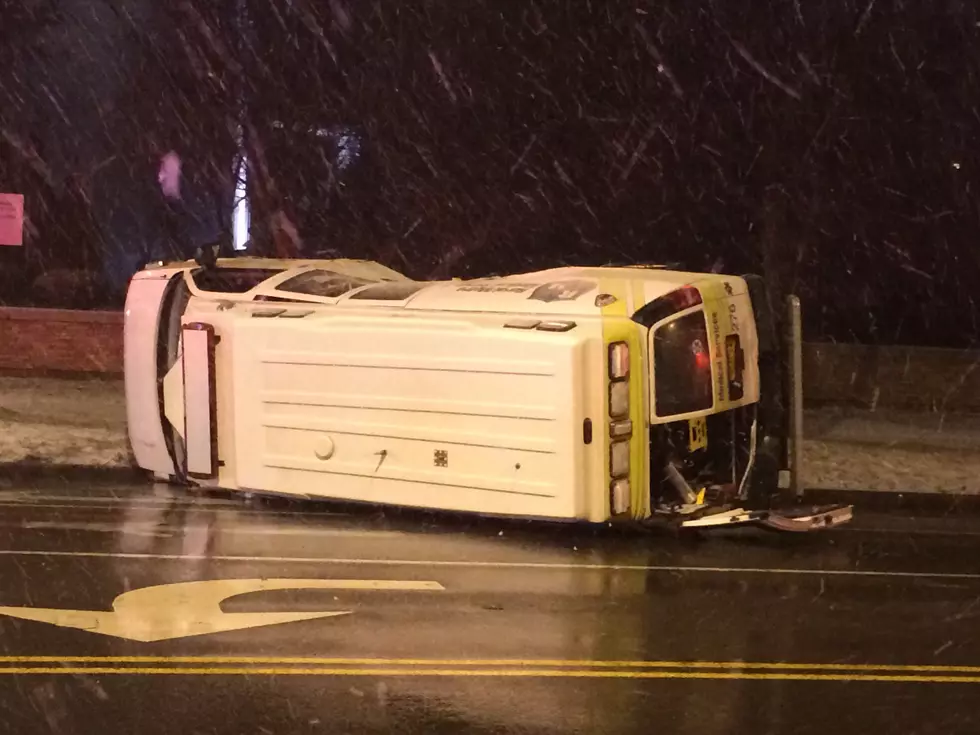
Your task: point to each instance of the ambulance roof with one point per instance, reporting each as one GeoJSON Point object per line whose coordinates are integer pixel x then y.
{"type": "Point", "coordinates": [569, 290]}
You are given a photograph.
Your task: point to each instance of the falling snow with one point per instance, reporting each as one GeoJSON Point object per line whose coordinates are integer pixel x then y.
{"type": "Point", "coordinates": [829, 147]}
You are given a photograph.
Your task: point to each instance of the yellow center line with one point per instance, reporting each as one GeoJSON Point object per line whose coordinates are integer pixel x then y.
{"type": "Point", "coordinates": [283, 662]}
{"type": "Point", "coordinates": [554, 673]}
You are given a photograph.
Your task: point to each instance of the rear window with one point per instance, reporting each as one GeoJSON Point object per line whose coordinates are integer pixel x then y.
{"type": "Point", "coordinates": [682, 366]}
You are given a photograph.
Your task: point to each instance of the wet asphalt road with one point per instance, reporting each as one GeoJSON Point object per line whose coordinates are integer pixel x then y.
{"type": "Point", "coordinates": [459, 625]}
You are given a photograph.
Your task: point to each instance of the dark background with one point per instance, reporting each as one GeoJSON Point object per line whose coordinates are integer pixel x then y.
{"type": "Point", "coordinates": [829, 145]}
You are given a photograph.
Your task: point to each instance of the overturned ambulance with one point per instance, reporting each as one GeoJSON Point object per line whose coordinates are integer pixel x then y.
{"type": "Point", "coordinates": [605, 394]}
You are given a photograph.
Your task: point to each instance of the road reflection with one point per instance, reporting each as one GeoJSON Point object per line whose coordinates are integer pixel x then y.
{"type": "Point", "coordinates": [175, 525]}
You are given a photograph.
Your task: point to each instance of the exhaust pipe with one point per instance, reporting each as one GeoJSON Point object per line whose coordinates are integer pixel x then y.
{"type": "Point", "coordinates": [686, 493]}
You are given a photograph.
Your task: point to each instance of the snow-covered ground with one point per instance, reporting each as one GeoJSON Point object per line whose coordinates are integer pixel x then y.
{"type": "Point", "coordinates": [83, 422]}
{"type": "Point", "coordinates": [889, 450]}
{"type": "Point", "coordinates": [75, 422]}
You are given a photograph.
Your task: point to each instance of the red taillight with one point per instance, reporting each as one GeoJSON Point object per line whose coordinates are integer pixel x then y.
{"type": "Point", "coordinates": [678, 300]}
{"type": "Point", "coordinates": [685, 297]}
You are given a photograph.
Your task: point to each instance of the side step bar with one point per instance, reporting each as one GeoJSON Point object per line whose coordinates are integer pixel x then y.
{"type": "Point", "coordinates": [795, 520]}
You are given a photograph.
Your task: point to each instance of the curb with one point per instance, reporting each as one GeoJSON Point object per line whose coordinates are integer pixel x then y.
{"type": "Point", "coordinates": [32, 471]}
{"type": "Point", "coordinates": [884, 501]}
{"type": "Point", "coordinates": [880, 501]}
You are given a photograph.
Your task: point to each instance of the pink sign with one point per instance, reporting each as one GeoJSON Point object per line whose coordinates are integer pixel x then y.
{"type": "Point", "coordinates": [11, 219]}
{"type": "Point", "coordinates": [169, 176]}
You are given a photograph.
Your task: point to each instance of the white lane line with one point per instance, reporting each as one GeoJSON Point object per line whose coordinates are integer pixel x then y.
{"type": "Point", "coordinates": [490, 564]}
{"type": "Point", "coordinates": [230, 509]}
{"type": "Point", "coordinates": [112, 500]}
{"type": "Point", "coordinates": [234, 498]}
{"type": "Point", "coordinates": [239, 506]}
{"type": "Point", "coordinates": [150, 528]}
{"type": "Point", "coordinates": [907, 531]}
{"type": "Point", "coordinates": [143, 528]}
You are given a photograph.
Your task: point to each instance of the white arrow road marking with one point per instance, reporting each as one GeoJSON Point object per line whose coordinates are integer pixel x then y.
{"type": "Point", "coordinates": [185, 609]}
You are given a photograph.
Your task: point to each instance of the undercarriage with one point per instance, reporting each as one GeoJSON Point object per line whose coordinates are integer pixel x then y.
{"type": "Point", "coordinates": [742, 467]}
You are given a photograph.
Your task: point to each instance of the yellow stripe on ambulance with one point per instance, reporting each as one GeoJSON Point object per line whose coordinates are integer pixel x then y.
{"type": "Point", "coordinates": [625, 419]}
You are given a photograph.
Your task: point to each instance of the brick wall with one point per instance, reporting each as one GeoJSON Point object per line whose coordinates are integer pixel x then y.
{"type": "Point", "coordinates": [61, 341]}
{"type": "Point", "coordinates": [914, 378]}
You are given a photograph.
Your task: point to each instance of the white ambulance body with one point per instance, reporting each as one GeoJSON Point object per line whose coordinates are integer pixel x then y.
{"type": "Point", "coordinates": [535, 395]}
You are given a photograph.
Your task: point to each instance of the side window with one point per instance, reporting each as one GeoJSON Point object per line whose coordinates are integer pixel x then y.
{"type": "Point", "coordinates": [682, 366]}
{"type": "Point", "coordinates": [231, 280]}
{"type": "Point", "coordinates": [321, 283]}
{"type": "Point", "coordinates": [389, 291]}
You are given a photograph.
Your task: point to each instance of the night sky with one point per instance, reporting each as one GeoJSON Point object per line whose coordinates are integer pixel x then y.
{"type": "Point", "coordinates": [830, 146]}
